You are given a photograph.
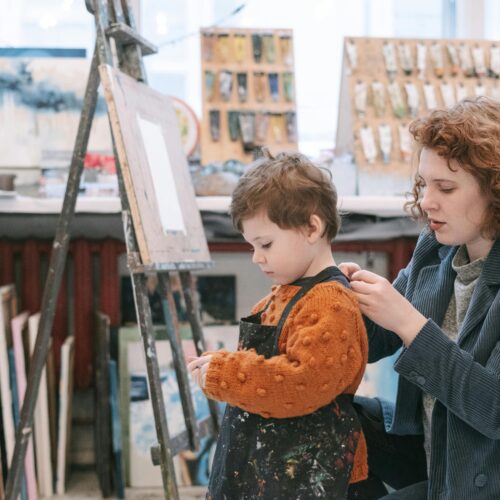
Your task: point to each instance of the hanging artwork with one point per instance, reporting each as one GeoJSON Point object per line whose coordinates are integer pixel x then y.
{"type": "Point", "coordinates": [41, 92]}
{"type": "Point", "coordinates": [189, 126]}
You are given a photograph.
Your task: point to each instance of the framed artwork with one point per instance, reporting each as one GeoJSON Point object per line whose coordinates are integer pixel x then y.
{"type": "Point", "coordinates": [189, 126]}
{"type": "Point", "coordinates": [162, 201]}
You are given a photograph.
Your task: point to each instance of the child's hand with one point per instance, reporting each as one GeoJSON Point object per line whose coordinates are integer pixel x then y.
{"type": "Point", "coordinates": [198, 367]}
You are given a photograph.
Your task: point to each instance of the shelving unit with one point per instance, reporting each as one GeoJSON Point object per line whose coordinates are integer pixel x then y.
{"type": "Point", "coordinates": [248, 93]}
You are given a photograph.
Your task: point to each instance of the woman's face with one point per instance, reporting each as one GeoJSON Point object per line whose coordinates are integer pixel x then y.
{"type": "Point", "coordinates": [454, 204]}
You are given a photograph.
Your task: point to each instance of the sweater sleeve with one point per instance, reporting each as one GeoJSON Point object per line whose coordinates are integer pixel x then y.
{"type": "Point", "coordinates": [323, 354]}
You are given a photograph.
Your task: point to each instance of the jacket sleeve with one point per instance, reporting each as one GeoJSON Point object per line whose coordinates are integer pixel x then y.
{"type": "Point", "coordinates": [381, 342]}
{"type": "Point", "coordinates": [323, 354]}
{"type": "Point", "coordinates": [439, 367]}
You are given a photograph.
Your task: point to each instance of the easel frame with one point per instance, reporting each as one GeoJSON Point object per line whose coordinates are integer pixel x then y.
{"type": "Point", "coordinates": [115, 32]}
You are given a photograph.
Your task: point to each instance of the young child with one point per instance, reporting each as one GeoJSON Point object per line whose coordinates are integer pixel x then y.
{"type": "Point", "coordinates": [289, 430]}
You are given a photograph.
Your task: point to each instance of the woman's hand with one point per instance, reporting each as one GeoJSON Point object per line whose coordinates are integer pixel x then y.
{"type": "Point", "coordinates": [198, 367]}
{"type": "Point", "coordinates": [386, 306]}
{"type": "Point", "coordinates": [348, 268]}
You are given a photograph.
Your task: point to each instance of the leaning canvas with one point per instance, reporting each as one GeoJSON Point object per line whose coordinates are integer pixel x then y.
{"type": "Point", "coordinates": [18, 324]}
{"type": "Point", "coordinates": [7, 310]}
{"type": "Point", "coordinates": [142, 425]}
{"type": "Point", "coordinates": [41, 421]}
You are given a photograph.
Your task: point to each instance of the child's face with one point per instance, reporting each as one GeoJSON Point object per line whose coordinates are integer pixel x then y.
{"type": "Point", "coordinates": [284, 255]}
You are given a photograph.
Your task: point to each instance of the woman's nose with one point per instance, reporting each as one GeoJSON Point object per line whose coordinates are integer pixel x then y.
{"type": "Point", "coordinates": [427, 202]}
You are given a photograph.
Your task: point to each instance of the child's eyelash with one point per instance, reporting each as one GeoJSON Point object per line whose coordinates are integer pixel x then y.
{"type": "Point", "coordinates": [267, 245]}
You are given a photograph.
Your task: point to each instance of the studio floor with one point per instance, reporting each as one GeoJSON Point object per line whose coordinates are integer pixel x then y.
{"type": "Point", "coordinates": [83, 485]}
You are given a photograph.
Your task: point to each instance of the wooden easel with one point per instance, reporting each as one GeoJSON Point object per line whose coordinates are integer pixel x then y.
{"type": "Point", "coordinates": [116, 38]}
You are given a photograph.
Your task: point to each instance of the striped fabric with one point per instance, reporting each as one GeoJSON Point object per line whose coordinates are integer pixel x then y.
{"type": "Point", "coordinates": [464, 377]}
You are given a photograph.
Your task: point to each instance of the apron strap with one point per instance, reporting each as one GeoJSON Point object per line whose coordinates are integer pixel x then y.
{"type": "Point", "coordinates": [319, 278]}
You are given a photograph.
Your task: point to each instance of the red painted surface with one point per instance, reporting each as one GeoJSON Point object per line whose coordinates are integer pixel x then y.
{"type": "Point", "coordinates": [31, 278]}
{"type": "Point", "coordinates": [24, 262]}
{"type": "Point", "coordinates": [6, 263]}
{"type": "Point", "coordinates": [109, 280]}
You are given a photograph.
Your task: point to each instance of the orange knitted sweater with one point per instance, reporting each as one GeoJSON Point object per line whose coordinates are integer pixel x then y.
{"type": "Point", "coordinates": [323, 353]}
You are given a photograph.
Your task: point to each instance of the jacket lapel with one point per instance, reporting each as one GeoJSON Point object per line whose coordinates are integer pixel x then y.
{"type": "Point", "coordinates": [484, 293]}
{"type": "Point", "coordinates": [437, 281]}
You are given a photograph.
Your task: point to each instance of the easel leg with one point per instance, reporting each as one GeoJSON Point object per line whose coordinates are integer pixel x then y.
{"type": "Point", "coordinates": [146, 329]}
{"type": "Point", "coordinates": [53, 283]}
{"type": "Point", "coordinates": [171, 322]}
{"type": "Point", "coordinates": [199, 340]}
{"type": "Point", "coordinates": [164, 454]}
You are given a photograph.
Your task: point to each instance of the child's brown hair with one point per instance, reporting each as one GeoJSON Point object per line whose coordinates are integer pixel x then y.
{"type": "Point", "coordinates": [289, 188]}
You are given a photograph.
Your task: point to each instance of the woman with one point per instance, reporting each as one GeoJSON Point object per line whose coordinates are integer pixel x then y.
{"type": "Point", "coordinates": [441, 439]}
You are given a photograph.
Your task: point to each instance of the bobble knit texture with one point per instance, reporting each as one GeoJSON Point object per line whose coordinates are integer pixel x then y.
{"type": "Point", "coordinates": [323, 353]}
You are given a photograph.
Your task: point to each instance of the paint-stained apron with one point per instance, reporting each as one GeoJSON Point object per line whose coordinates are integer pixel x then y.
{"type": "Point", "coordinates": [287, 458]}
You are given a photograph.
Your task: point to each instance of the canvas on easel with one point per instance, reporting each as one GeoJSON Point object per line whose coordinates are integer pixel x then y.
{"type": "Point", "coordinates": [166, 219]}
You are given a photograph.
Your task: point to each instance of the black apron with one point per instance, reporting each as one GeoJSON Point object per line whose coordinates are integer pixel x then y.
{"type": "Point", "coordinates": [284, 458]}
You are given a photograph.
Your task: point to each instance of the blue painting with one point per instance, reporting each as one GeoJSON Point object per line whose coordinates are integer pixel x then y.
{"type": "Point", "coordinates": [142, 424]}
{"type": "Point", "coordinates": [380, 379]}
{"type": "Point", "coordinates": [41, 97]}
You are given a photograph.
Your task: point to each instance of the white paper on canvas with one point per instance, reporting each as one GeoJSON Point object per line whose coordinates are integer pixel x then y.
{"type": "Point", "coordinates": [162, 175]}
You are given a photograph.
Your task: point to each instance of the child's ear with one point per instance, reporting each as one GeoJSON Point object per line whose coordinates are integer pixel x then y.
{"type": "Point", "coordinates": [315, 228]}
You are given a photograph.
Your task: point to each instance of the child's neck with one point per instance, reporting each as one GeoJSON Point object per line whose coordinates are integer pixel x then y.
{"type": "Point", "coordinates": [322, 260]}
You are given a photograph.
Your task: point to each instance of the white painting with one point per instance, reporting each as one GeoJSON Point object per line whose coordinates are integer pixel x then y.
{"type": "Point", "coordinates": [163, 177]}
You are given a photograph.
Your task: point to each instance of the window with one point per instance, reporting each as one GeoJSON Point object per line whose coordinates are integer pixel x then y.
{"type": "Point", "coordinates": [319, 28]}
